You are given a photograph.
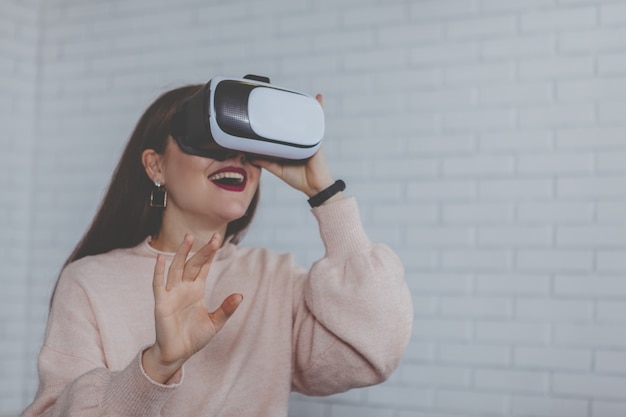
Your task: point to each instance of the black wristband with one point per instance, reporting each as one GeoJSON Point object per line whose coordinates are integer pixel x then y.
{"type": "Point", "coordinates": [327, 193]}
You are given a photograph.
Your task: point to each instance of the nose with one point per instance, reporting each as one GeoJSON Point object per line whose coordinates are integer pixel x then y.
{"type": "Point", "coordinates": [240, 156]}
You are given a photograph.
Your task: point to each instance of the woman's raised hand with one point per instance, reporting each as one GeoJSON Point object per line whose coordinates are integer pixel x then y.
{"type": "Point", "coordinates": [183, 323]}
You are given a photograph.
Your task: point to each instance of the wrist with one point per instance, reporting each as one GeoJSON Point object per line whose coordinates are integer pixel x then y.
{"type": "Point", "coordinates": [157, 369]}
{"type": "Point", "coordinates": [331, 193]}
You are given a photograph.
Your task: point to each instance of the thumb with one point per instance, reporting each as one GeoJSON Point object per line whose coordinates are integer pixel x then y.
{"type": "Point", "coordinates": [227, 309]}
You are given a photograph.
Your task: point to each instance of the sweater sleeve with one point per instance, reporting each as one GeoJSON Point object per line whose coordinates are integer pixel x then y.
{"type": "Point", "coordinates": [354, 317]}
{"type": "Point", "coordinates": [73, 376]}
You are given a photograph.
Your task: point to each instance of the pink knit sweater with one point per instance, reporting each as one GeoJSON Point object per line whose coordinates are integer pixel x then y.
{"type": "Point", "coordinates": [343, 324]}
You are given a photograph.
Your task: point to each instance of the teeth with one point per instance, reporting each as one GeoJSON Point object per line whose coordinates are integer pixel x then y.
{"type": "Point", "coordinates": [227, 175]}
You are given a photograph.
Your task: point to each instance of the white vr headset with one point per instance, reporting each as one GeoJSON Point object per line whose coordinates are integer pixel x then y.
{"type": "Point", "coordinates": [232, 115]}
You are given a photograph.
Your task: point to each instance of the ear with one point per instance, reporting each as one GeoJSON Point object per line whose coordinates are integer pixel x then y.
{"type": "Point", "coordinates": [152, 163]}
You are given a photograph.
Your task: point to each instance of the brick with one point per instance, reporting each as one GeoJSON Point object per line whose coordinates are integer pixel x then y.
{"type": "Point", "coordinates": [610, 361]}
{"type": "Point", "coordinates": [512, 380]}
{"type": "Point", "coordinates": [476, 259]}
{"type": "Point", "coordinates": [378, 15]}
{"type": "Point", "coordinates": [441, 99]}
{"type": "Point", "coordinates": [556, 163]}
{"type": "Point", "coordinates": [516, 94]}
{"type": "Point", "coordinates": [514, 188]}
{"type": "Point", "coordinates": [410, 34]}
{"type": "Point", "coordinates": [553, 358]}
{"type": "Point", "coordinates": [348, 410]}
{"type": "Point", "coordinates": [589, 335]}
{"type": "Point", "coordinates": [485, 27]}
{"type": "Point", "coordinates": [592, 187]}
{"type": "Point", "coordinates": [406, 214]}
{"type": "Point", "coordinates": [438, 236]}
{"type": "Point", "coordinates": [510, 284]}
{"type": "Point", "coordinates": [592, 89]}
{"type": "Point", "coordinates": [442, 283]}
{"type": "Point", "coordinates": [554, 260]}
{"type": "Point", "coordinates": [438, 9]}
{"type": "Point", "coordinates": [400, 396]}
{"type": "Point", "coordinates": [438, 376]}
{"type": "Point", "coordinates": [608, 408]}
{"type": "Point", "coordinates": [474, 354]}
{"type": "Point", "coordinates": [516, 141]}
{"type": "Point", "coordinates": [559, 19]}
{"type": "Point", "coordinates": [589, 137]}
{"type": "Point", "coordinates": [440, 190]}
{"type": "Point", "coordinates": [598, 40]}
{"type": "Point", "coordinates": [611, 112]}
{"type": "Point", "coordinates": [611, 311]}
{"type": "Point", "coordinates": [342, 41]}
{"type": "Point", "coordinates": [481, 73]}
{"type": "Point", "coordinates": [477, 166]}
{"type": "Point", "coordinates": [441, 329]}
{"type": "Point", "coordinates": [611, 161]}
{"type": "Point", "coordinates": [556, 212]}
{"type": "Point", "coordinates": [586, 236]}
{"type": "Point", "coordinates": [557, 68]}
{"type": "Point", "coordinates": [554, 310]}
{"type": "Point", "coordinates": [612, 13]}
{"type": "Point", "coordinates": [477, 213]}
{"type": "Point", "coordinates": [479, 120]}
{"type": "Point", "coordinates": [611, 211]}
{"type": "Point", "coordinates": [519, 47]}
{"type": "Point", "coordinates": [587, 385]}
{"type": "Point", "coordinates": [513, 332]}
{"type": "Point", "coordinates": [466, 401]}
{"type": "Point", "coordinates": [453, 53]}
{"type": "Point", "coordinates": [475, 307]}
{"type": "Point", "coordinates": [542, 406]}
{"type": "Point", "coordinates": [441, 144]}
{"type": "Point", "coordinates": [514, 5]}
{"type": "Point", "coordinates": [514, 236]}
{"type": "Point", "coordinates": [612, 63]}
{"type": "Point", "coordinates": [375, 60]}
{"type": "Point", "coordinates": [559, 115]}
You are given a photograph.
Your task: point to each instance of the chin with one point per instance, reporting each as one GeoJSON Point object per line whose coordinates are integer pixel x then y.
{"type": "Point", "coordinates": [234, 214]}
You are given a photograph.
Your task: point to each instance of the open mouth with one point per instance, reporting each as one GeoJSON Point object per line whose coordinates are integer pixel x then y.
{"type": "Point", "coordinates": [231, 179]}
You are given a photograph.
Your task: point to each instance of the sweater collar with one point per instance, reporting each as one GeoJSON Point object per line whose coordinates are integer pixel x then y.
{"type": "Point", "coordinates": [226, 251]}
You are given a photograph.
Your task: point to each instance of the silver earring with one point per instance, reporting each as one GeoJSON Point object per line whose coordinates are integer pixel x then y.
{"type": "Point", "coordinates": [158, 197]}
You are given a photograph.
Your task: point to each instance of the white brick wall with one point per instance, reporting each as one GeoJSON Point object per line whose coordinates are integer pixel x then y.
{"type": "Point", "coordinates": [19, 33]}
{"type": "Point", "coordinates": [485, 140]}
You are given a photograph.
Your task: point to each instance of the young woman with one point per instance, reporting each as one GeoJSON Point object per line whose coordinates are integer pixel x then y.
{"type": "Point", "coordinates": [158, 312]}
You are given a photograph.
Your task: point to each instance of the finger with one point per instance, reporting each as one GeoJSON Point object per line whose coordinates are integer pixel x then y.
{"type": "Point", "coordinates": [175, 273]}
{"type": "Point", "coordinates": [271, 166]}
{"type": "Point", "coordinates": [320, 99]}
{"type": "Point", "coordinates": [158, 281]}
{"type": "Point", "coordinates": [199, 263]}
{"type": "Point", "coordinates": [226, 310]}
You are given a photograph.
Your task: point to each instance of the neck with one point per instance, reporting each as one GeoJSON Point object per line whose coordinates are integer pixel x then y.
{"type": "Point", "coordinates": [174, 230]}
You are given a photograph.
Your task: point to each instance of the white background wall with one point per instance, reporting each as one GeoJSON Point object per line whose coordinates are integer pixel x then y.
{"type": "Point", "coordinates": [485, 140]}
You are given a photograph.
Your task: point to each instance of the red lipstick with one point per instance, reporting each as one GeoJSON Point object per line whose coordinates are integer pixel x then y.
{"type": "Point", "coordinates": [230, 178]}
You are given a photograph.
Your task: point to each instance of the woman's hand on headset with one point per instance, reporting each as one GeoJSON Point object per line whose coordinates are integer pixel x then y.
{"type": "Point", "coordinates": [311, 177]}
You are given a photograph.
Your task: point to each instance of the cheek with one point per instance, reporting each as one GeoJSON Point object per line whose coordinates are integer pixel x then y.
{"type": "Point", "coordinates": [254, 178]}
{"type": "Point", "coordinates": [183, 174]}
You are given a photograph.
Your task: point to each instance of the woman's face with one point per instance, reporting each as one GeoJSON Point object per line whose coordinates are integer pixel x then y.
{"type": "Point", "coordinates": [207, 190]}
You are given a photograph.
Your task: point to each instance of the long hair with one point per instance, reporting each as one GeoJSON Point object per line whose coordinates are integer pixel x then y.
{"type": "Point", "coordinates": [125, 218]}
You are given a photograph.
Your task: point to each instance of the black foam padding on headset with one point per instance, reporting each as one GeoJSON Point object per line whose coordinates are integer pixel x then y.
{"type": "Point", "coordinates": [231, 108]}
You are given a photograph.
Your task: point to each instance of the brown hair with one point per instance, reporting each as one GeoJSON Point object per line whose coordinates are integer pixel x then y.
{"type": "Point", "coordinates": [125, 217]}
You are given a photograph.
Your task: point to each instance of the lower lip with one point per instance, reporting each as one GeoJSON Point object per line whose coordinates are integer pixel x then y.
{"type": "Point", "coordinates": [235, 188]}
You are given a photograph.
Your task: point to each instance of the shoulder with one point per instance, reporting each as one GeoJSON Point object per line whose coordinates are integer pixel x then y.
{"type": "Point", "coordinates": [118, 262]}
